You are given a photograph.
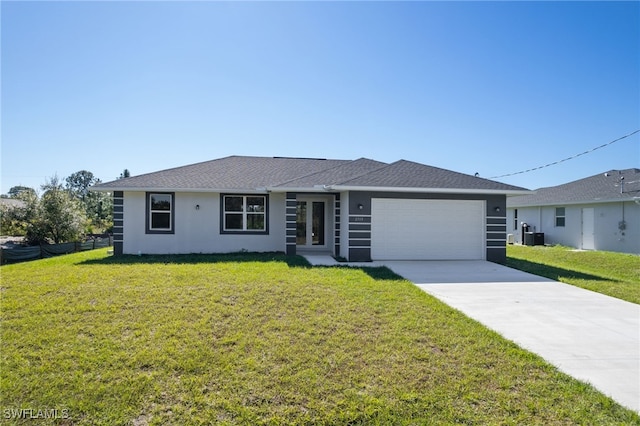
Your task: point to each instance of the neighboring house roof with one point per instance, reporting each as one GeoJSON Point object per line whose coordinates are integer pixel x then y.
{"type": "Point", "coordinates": [238, 173]}
{"type": "Point", "coordinates": [12, 202]}
{"type": "Point", "coordinates": [600, 188]}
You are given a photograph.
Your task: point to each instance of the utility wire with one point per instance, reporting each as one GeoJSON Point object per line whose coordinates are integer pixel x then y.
{"type": "Point", "coordinates": [568, 158]}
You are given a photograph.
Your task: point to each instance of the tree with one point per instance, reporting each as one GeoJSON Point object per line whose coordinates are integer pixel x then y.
{"type": "Point", "coordinates": [99, 210]}
{"type": "Point", "coordinates": [21, 192]}
{"type": "Point", "coordinates": [78, 183]}
{"type": "Point", "coordinates": [59, 217]}
{"type": "Point", "coordinates": [97, 205]}
{"type": "Point", "coordinates": [125, 174]}
{"type": "Point", "coordinates": [14, 219]}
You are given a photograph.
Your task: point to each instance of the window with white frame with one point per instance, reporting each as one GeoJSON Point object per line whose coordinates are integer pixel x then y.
{"type": "Point", "coordinates": [160, 213]}
{"type": "Point", "coordinates": [560, 216]}
{"type": "Point", "coordinates": [244, 213]}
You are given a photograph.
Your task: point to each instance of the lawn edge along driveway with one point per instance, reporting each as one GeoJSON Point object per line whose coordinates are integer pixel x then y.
{"type": "Point", "coordinates": [590, 336]}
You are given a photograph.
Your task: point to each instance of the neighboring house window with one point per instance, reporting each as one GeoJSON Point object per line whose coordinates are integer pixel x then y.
{"type": "Point", "coordinates": [515, 219]}
{"type": "Point", "coordinates": [244, 213]}
{"type": "Point", "coordinates": [160, 213]}
{"type": "Point", "coordinates": [560, 217]}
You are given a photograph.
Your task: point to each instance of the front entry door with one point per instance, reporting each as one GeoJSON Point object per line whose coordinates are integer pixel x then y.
{"type": "Point", "coordinates": [311, 229]}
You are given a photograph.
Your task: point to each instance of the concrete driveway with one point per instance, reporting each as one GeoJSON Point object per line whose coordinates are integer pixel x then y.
{"type": "Point", "coordinates": [592, 337]}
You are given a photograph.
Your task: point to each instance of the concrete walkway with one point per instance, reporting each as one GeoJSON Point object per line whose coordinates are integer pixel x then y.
{"type": "Point", "coordinates": [590, 336]}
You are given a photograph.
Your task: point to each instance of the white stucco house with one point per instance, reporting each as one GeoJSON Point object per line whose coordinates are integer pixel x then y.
{"type": "Point", "coordinates": [360, 210]}
{"type": "Point", "coordinates": [600, 212]}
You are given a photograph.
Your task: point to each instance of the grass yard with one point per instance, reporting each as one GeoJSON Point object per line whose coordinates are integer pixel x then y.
{"type": "Point", "coordinates": [261, 339]}
{"type": "Point", "coordinates": [613, 274]}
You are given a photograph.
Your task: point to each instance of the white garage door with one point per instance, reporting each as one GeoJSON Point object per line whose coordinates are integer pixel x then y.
{"type": "Point", "coordinates": [403, 229]}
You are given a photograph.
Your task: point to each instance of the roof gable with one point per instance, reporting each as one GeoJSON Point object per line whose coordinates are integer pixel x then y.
{"type": "Point", "coordinates": [603, 187]}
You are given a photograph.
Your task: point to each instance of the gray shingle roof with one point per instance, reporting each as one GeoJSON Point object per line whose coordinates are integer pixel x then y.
{"type": "Point", "coordinates": [251, 173]}
{"type": "Point", "coordinates": [336, 175]}
{"type": "Point", "coordinates": [408, 174]}
{"type": "Point", "coordinates": [229, 173]}
{"type": "Point", "coordinates": [603, 187]}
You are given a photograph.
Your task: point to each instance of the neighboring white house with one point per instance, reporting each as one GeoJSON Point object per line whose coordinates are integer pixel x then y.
{"type": "Point", "coordinates": [360, 210]}
{"type": "Point", "coordinates": [600, 212]}
{"type": "Point", "coordinates": [12, 203]}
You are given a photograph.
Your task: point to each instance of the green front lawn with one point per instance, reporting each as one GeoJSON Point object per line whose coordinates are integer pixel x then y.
{"type": "Point", "coordinates": [613, 274]}
{"type": "Point", "coordinates": [261, 339]}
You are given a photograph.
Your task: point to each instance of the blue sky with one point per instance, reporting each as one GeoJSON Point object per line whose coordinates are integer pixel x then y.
{"type": "Point", "coordinates": [486, 87]}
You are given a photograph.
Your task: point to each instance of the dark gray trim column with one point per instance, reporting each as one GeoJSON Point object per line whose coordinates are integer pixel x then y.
{"type": "Point", "coordinates": [496, 229]}
{"type": "Point", "coordinates": [336, 226]}
{"type": "Point", "coordinates": [359, 227]}
{"type": "Point", "coordinates": [290, 223]}
{"type": "Point", "coordinates": [118, 222]}
{"type": "Point", "coordinates": [496, 239]}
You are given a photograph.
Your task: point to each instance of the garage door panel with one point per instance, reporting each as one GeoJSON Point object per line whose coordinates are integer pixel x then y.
{"type": "Point", "coordinates": [427, 229]}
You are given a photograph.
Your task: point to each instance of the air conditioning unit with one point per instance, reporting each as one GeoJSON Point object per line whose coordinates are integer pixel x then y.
{"type": "Point", "coordinates": [510, 239]}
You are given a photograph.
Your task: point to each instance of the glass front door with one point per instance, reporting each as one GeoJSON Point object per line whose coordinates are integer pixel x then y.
{"type": "Point", "coordinates": [310, 223]}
